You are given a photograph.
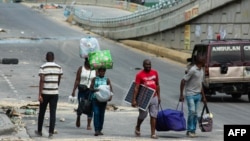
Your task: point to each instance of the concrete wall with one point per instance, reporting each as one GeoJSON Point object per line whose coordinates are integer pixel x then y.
{"type": "Point", "coordinates": [230, 21]}
{"type": "Point", "coordinates": [178, 27]}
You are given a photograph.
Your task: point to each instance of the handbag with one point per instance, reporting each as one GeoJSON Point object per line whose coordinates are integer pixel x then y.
{"type": "Point", "coordinates": [82, 88]}
{"type": "Point", "coordinates": [205, 120]}
{"type": "Point", "coordinates": [170, 119]}
{"type": "Point", "coordinates": [85, 105]}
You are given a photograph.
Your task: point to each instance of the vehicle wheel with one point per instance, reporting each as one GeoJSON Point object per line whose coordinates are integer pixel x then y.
{"type": "Point", "coordinates": [236, 96]}
{"type": "Point", "coordinates": [208, 97]}
{"type": "Point", "coordinates": [9, 61]}
{"type": "Point", "coordinates": [249, 97]}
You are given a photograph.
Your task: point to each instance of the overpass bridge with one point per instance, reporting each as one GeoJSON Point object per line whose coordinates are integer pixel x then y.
{"type": "Point", "coordinates": [176, 24]}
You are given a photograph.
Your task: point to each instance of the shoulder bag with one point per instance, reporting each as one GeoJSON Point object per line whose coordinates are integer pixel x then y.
{"type": "Point", "coordinates": [85, 105]}
{"type": "Point", "coordinates": [205, 120]}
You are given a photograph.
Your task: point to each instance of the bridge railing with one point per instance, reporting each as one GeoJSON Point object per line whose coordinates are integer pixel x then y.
{"type": "Point", "coordinates": [84, 17]}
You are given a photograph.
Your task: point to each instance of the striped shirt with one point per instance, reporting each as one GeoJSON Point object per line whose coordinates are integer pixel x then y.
{"type": "Point", "coordinates": [51, 72]}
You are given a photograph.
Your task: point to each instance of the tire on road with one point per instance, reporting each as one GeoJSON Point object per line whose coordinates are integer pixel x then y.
{"type": "Point", "coordinates": [249, 97]}
{"type": "Point", "coordinates": [236, 96]}
{"type": "Point", "coordinates": [9, 61]}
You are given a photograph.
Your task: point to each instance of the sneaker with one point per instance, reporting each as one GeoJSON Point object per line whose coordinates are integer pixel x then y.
{"type": "Point", "coordinates": [50, 135]}
{"type": "Point", "coordinates": [190, 134]}
{"type": "Point", "coordinates": [194, 134]}
{"type": "Point", "coordinates": [100, 133]}
{"type": "Point", "coordinates": [96, 133]}
{"type": "Point", "coordinates": [55, 131]}
{"type": "Point", "coordinates": [38, 133]}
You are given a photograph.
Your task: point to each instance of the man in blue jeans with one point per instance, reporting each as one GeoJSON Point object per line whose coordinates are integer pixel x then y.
{"type": "Point", "coordinates": [192, 82]}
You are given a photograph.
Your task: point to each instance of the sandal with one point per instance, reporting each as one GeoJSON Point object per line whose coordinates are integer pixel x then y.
{"type": "Point", "coordinates": [89, 128]}
{"type": "Point", "coordinates": [154, 137]}
{"type": "Point", "coordinates": [137, 132]}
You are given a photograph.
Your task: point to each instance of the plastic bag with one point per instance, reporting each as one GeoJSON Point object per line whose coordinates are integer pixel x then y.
{"type": "Point", "coordinates": [104, 93]}
{"type": "Point", "coordinates": [72, 100]}
{"type": "Point", "coordinates": [87, 45]}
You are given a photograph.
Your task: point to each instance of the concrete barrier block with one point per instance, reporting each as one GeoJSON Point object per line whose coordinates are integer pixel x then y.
{"type": "Point", "coordinates": [6, 126]}
{"type": "Point", "coordinates": [158, 51]}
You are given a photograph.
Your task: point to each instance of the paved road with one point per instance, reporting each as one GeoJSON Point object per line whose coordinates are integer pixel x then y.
{"type": "Point", "coordinates": [119, 125]}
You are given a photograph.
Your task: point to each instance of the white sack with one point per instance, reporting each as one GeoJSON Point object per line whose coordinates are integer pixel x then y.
{"type": "Point", "coordinates": [87, 45]}
{"type": "Point", "coordinates": [104, 93]}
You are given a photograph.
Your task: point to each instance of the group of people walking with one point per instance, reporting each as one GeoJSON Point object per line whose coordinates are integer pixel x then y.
{"type": "Point", "coordinates": [50, 75]}
{"type": "Point", "coordinates": [92, 79]}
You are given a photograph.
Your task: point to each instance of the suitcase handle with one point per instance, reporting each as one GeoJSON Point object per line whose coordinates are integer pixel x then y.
{"type": "Point", "coordinates": [203, 109]}
{"type": "Point", "coordinates": [159, 105]}
{"type": "Point", "coordinates": [176, 107]}
{"type": "Point", "coordinates": [181, 105]}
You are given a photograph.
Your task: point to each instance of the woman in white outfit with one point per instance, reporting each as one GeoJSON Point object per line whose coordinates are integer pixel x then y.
{"type": "Point", "coordinates": [84, 76]}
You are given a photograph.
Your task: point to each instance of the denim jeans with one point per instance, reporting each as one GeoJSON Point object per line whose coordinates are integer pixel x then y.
{"type": "Point", "coordinates": [84, 95]}
{"type": "Point", "coordinates": [99, 112]}
{"type": "Point", "coordinates": [193, 105]}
